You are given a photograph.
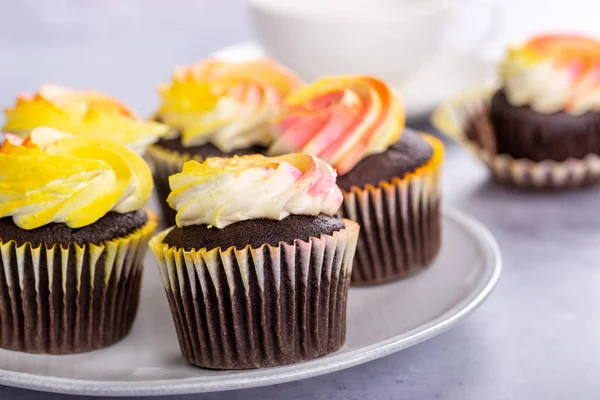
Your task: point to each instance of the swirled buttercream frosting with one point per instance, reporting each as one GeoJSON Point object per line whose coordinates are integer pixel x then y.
{"type": "Point", "coordinates": [229, 105]}
{"type": "Point", "coordinates": [56, 177]}
{"type": "Point", "coordinates": [222, 191]}
{"type": "Point", "coordinates": [552, 73]}
{"type": "Point", "coordinates": [86, 114]}
{"type": "Point", "coordinates": [341, 120]}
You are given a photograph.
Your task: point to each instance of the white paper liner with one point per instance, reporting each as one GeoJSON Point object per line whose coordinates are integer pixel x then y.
{"type": "Point", "coordinates": [256, 308]}
{"type": "Point", "coordinates": [63, 300]}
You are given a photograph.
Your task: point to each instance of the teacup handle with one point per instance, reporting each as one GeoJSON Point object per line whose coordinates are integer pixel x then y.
{"type": "Point", "coordinates": [493, 30]}
{"type": "Point", "coordinates": [497, 18]}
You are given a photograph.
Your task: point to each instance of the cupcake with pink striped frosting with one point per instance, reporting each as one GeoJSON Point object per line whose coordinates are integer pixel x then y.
{"type": "Point", "coordinates": [259, 260]}
{"type": "Point", "coordinates": [389, 174]}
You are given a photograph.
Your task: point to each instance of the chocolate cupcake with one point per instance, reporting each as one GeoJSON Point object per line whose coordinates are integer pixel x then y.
{"type": "Point", "coordinates": [390, 176]}
{"type": "Point", "coordinates": [258, 267]}
{"type": "Point", "coordinates": [541, 128]}
{"type": "Point", "coordinates": [84, 113]}
{"type": "Point", "coordinates": [73, 234]}
{"type": "Point", "coordinates": [216, 109]}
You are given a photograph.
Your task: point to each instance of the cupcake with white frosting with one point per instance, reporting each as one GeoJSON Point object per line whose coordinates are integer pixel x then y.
{"type": "Point", "coordinates": [258, 267]}
{"type": "Point", "coordinates": [541, 127]}
{"type": "Point", "coordinates": [217, 108]}
{"type": "Point", "coordinates": [549, 105]}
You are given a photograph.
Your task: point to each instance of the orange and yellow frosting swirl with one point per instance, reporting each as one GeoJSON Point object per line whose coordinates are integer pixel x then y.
{"type": "Point", "coordinates": [341, 120]}
{"type": "Point", "coordinates": [552, 73]}
{"type": "Point", "coordinates": [86, 114]}
{"type": "Point", "coordinates": [222, 191]}
{"type": "Point", "coordinates": [52, 176]}
{"type": "Point", "coordinates": [227, 104]}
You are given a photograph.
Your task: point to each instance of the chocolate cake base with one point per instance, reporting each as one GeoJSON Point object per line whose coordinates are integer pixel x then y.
{"type": "Point", "coordinates": [59, 296]}
{"type": "Point", "coordinates": [205, 150]}
{"type": "Point", "coordinates": [254, 232]}
{"type": "Point", "coordinates": [168, 157]}
{"type": "Point", "coordinates": [259, 307]}
{"type": "Point", "coordinates": [110, 226]}
{"type": "Point", "coordinates": [522, 132]}
{"type": "Point", "coordinates": [400, 216]}
{"type": "Point", "coordinates": [530, 164]}
{"type": "Point", "coordinates": [405, 156]}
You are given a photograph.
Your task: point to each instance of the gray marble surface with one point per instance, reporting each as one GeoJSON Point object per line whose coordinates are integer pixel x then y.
{"type": "Point", "coordinates": [537, 337]}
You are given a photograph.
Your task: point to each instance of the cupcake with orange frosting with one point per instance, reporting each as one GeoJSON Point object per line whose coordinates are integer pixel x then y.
{"type": "Point", "coordinates": [73, 233]}
{"type": "Point", "coordinates": [217, 109]}
{"type": "Point", "coordinates": [541, 128]}
{"type": "Point", "coordinates": [258, 267]}
{"type": "Point", "coordinates": [83, 113]}
{"type": "Point", "coordinates": [389, 175]}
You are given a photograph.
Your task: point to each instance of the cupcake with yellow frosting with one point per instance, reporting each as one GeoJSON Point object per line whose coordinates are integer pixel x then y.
{"type": "Point", "coordinates": [217, 109]}
{"type": "Point", "coordinates": [258, 266]}
{"type": "Point", "coordinates": [389, 175]}
{"type": "Point", "coordinates": [541, 128]}
{"type": "Point", "coordinates": [83, 113]}
{"type": "Point", "coordinates": [73, 233]}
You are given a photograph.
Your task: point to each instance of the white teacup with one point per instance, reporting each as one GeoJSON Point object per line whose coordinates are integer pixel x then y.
{"type": "Point", "coordinates": [391, 39]}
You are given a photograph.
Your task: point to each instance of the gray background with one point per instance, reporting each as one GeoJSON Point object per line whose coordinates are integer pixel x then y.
{"type": "Point", "coordinates": [537, 337]}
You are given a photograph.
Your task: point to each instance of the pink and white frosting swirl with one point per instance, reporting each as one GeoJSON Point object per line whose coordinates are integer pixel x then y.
{"type": "Point", "coordinates": [222, 191]}
{"type": "Point", "coordinates": [225, 103]}
{"type": "Point", "coordinates": [341, 119]}
{"type": "Point", "coordinates": [552, 73]}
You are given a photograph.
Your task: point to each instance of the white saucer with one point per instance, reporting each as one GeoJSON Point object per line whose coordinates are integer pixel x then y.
{"type": "Point", "coordinates": [449, 75]}
{"type": "Point", "coordinates": [381, 320]}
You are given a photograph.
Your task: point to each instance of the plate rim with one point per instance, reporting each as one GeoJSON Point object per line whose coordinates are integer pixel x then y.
{"type": "Point", "coordinates": [492, 270]}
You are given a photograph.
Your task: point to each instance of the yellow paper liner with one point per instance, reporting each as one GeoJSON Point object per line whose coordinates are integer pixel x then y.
{"type": "Point", "coordinates": [164, 163]}
{"type": "Point", "coordinates": [400, 222]}
{"type": "Point", "coordinates": [73, 299]}
{"type": "Point", "coordinates": [454, 116]}
{"type": "Point", "coordinates": [259, 307]}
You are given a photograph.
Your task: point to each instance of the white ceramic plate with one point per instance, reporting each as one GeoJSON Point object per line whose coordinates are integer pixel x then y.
{"type": "Point", "coordinates": [381, 320]}
{"type": "Point", "coordinates": [449, 74]}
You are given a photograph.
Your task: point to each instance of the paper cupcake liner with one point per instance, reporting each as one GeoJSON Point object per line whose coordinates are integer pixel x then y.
{"type": "Point", "coordinates": [259, 307]}
{"type": "Point", "coordinates": [400, 223]}
{"type": "Point", "coordinates": [453, 117]}
{"type": "Point", "coordinates": [65, 300]}
{"type": "Point", "coordinates": [165, 163]}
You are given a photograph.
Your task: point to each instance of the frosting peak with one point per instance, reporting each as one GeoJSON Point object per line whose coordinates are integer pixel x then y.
{"type": "Point", "coordinates": [56, 177]}
{"type": "Point", "coordinates": [221, 191]}
{"type": "Point", "coordinates": [341, 119]}
{"type": "Point", "coordinates": [552, 73]}
{"type": "Point", "coordinates": [87, 114]}
{"type": "Point", "coordinates": [227, 104]}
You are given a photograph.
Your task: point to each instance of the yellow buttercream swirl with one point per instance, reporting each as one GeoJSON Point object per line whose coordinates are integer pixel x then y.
{"type": "Point", "coordinates": [227, 104]}
{"type": "Point", "coordinates": [552, 73]}
{"type": "Point", "coordinates": [221, 191]}
{"type": "Point", "coordinates": [56, 177]}
{"type": "Point", "coordinates": [341, 119]}
{"type": "Point", "coordinates": [86, 114]}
